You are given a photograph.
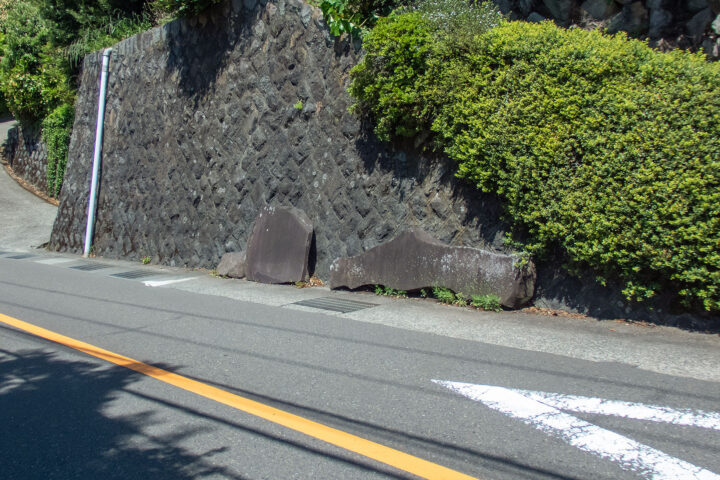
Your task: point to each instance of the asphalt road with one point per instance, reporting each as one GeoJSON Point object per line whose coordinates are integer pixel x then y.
{"type": "Point", "coordinates": [66, 414]}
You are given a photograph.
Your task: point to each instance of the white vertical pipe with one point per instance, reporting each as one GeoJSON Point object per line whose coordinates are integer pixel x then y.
{"type": "Point", "coordinates": [98, 151]}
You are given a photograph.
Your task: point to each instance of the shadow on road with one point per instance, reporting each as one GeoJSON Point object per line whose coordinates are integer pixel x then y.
{"type": "Point", "coordinates": [53, 425]}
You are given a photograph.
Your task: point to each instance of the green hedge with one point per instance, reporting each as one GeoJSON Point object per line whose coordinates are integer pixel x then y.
{"type": "Point", "coordinates": [597, 144]}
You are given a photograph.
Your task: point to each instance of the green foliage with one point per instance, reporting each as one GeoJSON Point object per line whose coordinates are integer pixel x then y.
{"type": "Point", "coordinates": [298, 105]}
{"type": "Point", "coordinates": [460, 300]}
{"type": "Point", "coordinates": [32, 91]}
{"type": "Point", "coordinates": [459, 21]}
{"type": "Point", "coordinates": [486, 302]}
{"type": "Point", "coordinates": [41, 44]}
{"type": "Point", "coordinates": [597, 144]}
{"type": "Point", "coordinates": [354, 16]}
{"type": "Point", "coordinates": [390, 292]}
{"type": "Point", "coordinates": [183, 8]}
{"type": "Point", "coordinates": [42, 41]}
{"type": "Point", "coordinates": [110, 32]}
{"type": "Point", "coordinates": [145, 260]}
{"type": "Point", "coordinates": [444, 295]}
{"type": "Point", "coordinates": [31, 79]}
{"type": "Point", "coordinates": [56, 129]}
{"type": "Point", "coordinates": [389, 83]}
{"type": "Point", "coordinates": [25, 34]}
{"type": "Point", "coordinates": [69, 19]}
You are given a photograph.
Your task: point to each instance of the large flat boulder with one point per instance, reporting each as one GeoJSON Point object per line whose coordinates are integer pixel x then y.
{"type": "Point", "coordinates": [415, 260]}
{"type": "Point", "coordinates": [279, 246]}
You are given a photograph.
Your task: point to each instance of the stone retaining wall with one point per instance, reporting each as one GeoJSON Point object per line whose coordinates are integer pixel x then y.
{"type": "Point", "coordinates": [209, 119]}
{"type": "Point", "coordinates": [26, 154]}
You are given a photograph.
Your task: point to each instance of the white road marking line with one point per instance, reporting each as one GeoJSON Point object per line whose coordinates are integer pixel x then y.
{"type": "Point", "coordinates": [631, 455]}
{"type": "Point", "coordinates": [160, 283]}
{"type": "Point", "coordinates": [55, 261]}
{"type": "Point", "coordinates": [636, 411]}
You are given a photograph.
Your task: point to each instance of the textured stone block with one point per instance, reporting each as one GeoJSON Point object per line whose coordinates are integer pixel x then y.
{"type": "Point", "coordinates": [599, 9]}
{"type": "Point", "coordinates": [414, 260]}
{"type": "Point", "coordinates": [26, 152]}
{"type": "Point", "coordinates": [699, 23]}
{"type": "Point", "coordinates": [560, 9]}
{"type": "Point", "coordinates": [279, 246]}
{"type": "Point", "coordinates": [232, 265]}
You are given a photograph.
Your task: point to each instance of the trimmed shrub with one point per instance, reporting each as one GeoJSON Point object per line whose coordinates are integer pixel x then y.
{"type": "Point", "coordinates": [389, 84]}
{"type": "Point", "coordinates": [597, 144]}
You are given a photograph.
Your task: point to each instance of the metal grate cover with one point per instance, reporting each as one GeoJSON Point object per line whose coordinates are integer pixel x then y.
{"type": "Point", "coordinates": [89, 267]}
{"type": "Point", "coordinates": [133, 274]}
{"type": "Point", "coordinates": [20, 257]}
{"type": "Point", "coordinates": [335, 304]}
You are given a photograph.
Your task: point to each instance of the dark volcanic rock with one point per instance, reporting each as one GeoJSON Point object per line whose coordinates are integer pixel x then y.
{"type": "Point", "coordinates": [26, 153]}
{"type": "Point", "coordinates": [232, 265]}
{"type": "Point", "coordinates": [416, 260]}
{"type": "Point", "coordinates": [279, 246]}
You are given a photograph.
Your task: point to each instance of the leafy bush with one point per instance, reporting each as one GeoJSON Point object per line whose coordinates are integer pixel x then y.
{"type": "Point", "coordinates": [354, 16]}
{"type": "Point", "coordinates": [56, 130]}
{"type": "Point", "coordinates": [597, 144]}
{"type": "Point", "coordinates": [30, 78]}
{"type": "Point", "coordinates": [486, 302]}
{"type": "Point", "coordinates": [390, 82]}
{"type": "Point", "coordinates": [41, 43]}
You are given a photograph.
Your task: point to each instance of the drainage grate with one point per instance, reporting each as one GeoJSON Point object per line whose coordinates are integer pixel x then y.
{"type": "Point", "coordinates": [132, 274]}
{"type": "Point", "coordinates": [335, 304]}
{"type": "Point", "coordinates": [89, 267]}
{"type": "Point", "coordinates": [20, 257]}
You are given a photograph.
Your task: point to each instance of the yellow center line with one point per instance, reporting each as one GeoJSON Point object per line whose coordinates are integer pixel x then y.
{"type": "Point", "coordinates": [381, 453]}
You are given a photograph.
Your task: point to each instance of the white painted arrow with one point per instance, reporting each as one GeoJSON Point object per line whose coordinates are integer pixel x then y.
{"type": "Point", "coordinates": [636, 411]}
{"type": "Point", "coordinates": [542, 411]}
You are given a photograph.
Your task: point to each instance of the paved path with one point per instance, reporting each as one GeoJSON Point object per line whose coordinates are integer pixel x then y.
{"type": "Point", "coordinates": [25, 220]}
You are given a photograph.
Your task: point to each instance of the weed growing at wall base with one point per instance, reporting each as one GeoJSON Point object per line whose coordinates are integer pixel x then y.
{"type": "Point", "coordinates": [444, 295]}
{"type": "Point", "coordinates": [486, 302]}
